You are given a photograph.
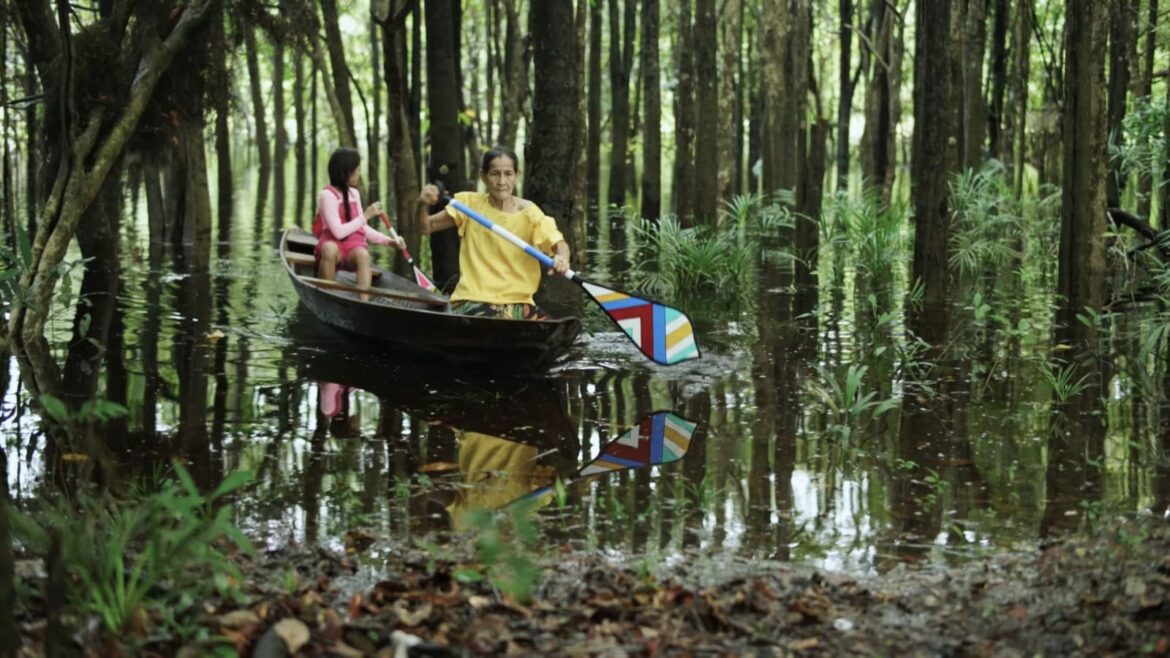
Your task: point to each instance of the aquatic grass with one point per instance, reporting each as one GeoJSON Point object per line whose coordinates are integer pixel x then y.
{"type": "Point", "coordinates": [875, 232]}
{"type": "Point", "coordinates": [1063, 382]}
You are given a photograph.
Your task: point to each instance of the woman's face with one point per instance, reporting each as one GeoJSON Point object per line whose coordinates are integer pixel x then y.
{"type": "Point", "coordinates": [500, 177]}
{"type": "Point", "coordinates": [355, 177]}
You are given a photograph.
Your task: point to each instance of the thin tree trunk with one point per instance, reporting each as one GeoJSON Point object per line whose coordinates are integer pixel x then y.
{"type": "Point", "coordinates": [685, 115]}
{"type": "Point", "coordinates": [414, 109]}
{"type": "Point", "coordinates": [1019, 93]}
{"type": "Point", "coordinates": [373, 176]}
{"type": "Point", "coordinates": [652, 114]}
{"type": "Point", "coordinates": [974, 108]}
{"type": "Point", "coordinates": [8, 221]}
{"type": "Point", "coordinates": [756, 121]}
{"type": "Point", "coordinates": [33, 134]}
{"type": "Point", "coordinates": [706, 160]}
{"type": "Point", "coordinates": [740, 104]}
{"type": "Point", "coordinates": [593, 147]}
{"type": "Point", "coordinates": [513, 77]}
{"type": "Point", "coordinates": [301, 136]}
{"type": "Point", "coordinates": [446, 161]}
{"type": "Point", "coordinates": [773, 31]}
{"type": "Point", "coordinates": [999, 63]}
{"type": "Point", "coordinates": [280, 146]}
{"type": "Point", "coordinates": [1082, 274]}
{"type": "Point", "coordinates": [221, 96]}
{"type": "Point", "coordinates": [1149, 27]}
{"type": "Point", "coordinates": [338, 67]}
{"type": "Point", "coordinates": [254, 86]}
{"type": "Point", "coordinates": [620, 63]}
{"type": "Point", "coordinates": [1122, 33]}
{"type": "Point", "coordinates": [400, 152]}
{"type": "Point", "coordinates": [933, 158]}
{"type": "Point", "coordinates": [847, 85]}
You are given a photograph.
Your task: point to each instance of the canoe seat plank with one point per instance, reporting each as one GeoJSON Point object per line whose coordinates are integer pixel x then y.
{"type": "Point", "coordinates": [300, 259]}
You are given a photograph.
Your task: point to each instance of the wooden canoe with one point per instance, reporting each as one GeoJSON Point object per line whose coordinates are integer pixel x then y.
{"type": "Point", "coordinates": [404, 317]}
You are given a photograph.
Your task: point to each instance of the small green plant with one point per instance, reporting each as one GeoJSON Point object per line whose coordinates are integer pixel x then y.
{"type": "Point", "coordinates": [849, 404]}
{"type": "Point", "coordinates": [1063, 382]}
{"type": "Point", "coordinates": [501, 548]}
{"type": "Point", "coordinates": [130, 557]}
{"type": "Point", "coordinates": [691, 261]}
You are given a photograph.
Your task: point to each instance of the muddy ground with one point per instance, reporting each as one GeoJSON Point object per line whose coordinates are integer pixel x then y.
{"type": "Point", "coordinates": [1105, 593]}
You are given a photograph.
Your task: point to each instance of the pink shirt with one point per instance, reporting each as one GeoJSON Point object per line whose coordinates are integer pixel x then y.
{"type": "Point", "coordinates": [329, 205]}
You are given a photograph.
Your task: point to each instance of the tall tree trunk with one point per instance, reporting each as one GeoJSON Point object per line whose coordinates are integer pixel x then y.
{"type": "Point", "coordinates": [254, 86]}
{"type": "Point", "coordinates": [373, 169]}
{"type": "Point", "coordinates": [1018, 117]}
{"type": "Point", "coordinates": [620, 65]}
{"type": "Point", "coordinates": [337, 66]}
{"type": "Point", "coordinates": [1149, 28]}
{"type": "Point", "coordinates": [221, 97]}
{"type": "Point", "coordinates": [933, 159]}
{"type": "Point", "coordinates": [301, 137]}
{"type": "Point", "coordinates": [8, 212]}
{"type": "Point", "coordinates": [794, 117]}
{"type": "Point", "coordinates": [706, 160]}
{"type": "Point", "coordinates": [878, 155]}
{"type": "Point", "coordinates": [280, 145]}
{"type": "Point", "coordinates": [1122, 33]}
{"type": "Point", "coordinates": [773, 30]}
{"type": "Point", "coordinates": [740, 105]}
{"type": "Point", "coordinates": [756, 122]}
{"type": "Point", "coordinates": [513, 77]}
{"type": "Point", "coordinates": [593, 143]}
{"type": "Point", "coordinates": [682, 192]}
{"type": "Point", "coordinates": [1082, 274]}
{"type": "Point", "coordinates": [974, 106]}
{"type": "Point", "coordinates": [33, 136]}
{"type": "Point", "coordinates": [400, 151]}
{"type": "Point", "coordinates": [558, 131]}
{"type": "Point", "coordinates": [999, 63]}
{"type": "Point", "coordinates": [188, 193]}
{"type": "Point", "coordinates": [652, 114]}
{"type": "Point", "coordinates": [847, 84]}
{"type": "Point", "coordinates": [414, 108]}
{"type": "Point", "coordinates": [446, 161]}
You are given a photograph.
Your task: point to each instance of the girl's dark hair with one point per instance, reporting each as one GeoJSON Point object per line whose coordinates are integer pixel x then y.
{"type": "Point", "coordinates": [341, 164]}
{"type": "Point", "coordinates": [496, 152]}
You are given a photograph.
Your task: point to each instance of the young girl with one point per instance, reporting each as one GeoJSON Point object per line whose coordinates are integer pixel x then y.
{"type": "Point", "coordinates": [343, 230]}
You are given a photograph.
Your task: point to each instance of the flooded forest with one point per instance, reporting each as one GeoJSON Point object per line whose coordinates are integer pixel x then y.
{"type": "Point", "coordinates": [864, 348]}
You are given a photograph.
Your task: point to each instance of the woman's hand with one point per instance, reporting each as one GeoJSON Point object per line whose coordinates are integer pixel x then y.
{"type": "Point", "coordinates": [400, 243]}
{"type": "Point", "coordinates": [429, 194]}
{"type": "Point", "coordinates": [560, 264]}
{"type": "Point", "coordinates": [373, 210]}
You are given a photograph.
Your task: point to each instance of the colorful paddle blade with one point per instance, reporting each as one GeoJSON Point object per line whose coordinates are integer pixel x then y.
{"type": "Point", "coordinates": [658, 439]}
{"type": "Point", "coordinates": [663, 333]}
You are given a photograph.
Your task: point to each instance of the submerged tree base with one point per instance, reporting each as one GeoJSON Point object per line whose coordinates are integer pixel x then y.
{"type": "Point", "coordinates": [1106, 593]}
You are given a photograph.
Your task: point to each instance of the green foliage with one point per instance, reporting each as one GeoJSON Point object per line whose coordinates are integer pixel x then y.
{"type": "Point", "coordinates": [988, 225]}
{"type": "Point", "coordinates": [875, 232]}
{"type": "Point", "coordinates": [1063, 381]}
{"type": "Point", "coordinates": [500, 547]}
{"type": "Point", "coordinates": [691, 261]}
{"type": "Point", "coordinates": [130, 559]}
{"type": "Point", "coordinates": [1144, 150]}
{"type": "Point", "coordinates": [848, 403]}
{"type": "Point", "coordinates": [91, 413]}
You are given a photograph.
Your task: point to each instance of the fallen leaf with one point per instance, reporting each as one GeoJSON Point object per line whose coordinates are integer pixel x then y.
{"type": "Point", "coordinates": [334, 627]}
{"type": "Point", "coordinates": [805, 644]}
{"type": "Point", "coordinates": [478, 602]}
{"type": "Point", "coordinates": [437, 467]}
{"type": "Point", "coordinates": [74, 457]}
{"type": "Point", "coordinates": [406, 617]}
{"type": "Point", "coordinates": [294, 632]}
{"type": "Point", "coordinates": [237, 619]}
{"type": "Point", "coordinates": [355, 606]}
{"type": "Point", "coordinates": [345, 651]}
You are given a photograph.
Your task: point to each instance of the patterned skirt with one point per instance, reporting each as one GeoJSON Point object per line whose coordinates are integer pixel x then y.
{"type": "Point", "coordinates": [507, 311]}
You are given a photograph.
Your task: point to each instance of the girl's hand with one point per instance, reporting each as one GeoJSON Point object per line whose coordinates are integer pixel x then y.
{"type": "Point", "coordinates": [429, 194]}
{"type": "Point", "coordinates": [372, 211]}
{"type": "Point", "coordinates": [401, 244]}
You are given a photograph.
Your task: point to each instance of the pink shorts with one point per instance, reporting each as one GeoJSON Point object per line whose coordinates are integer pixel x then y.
{"type": "Point", "coordinates": [351, 242]}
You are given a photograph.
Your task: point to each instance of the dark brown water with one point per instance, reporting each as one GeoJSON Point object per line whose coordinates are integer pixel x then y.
{"type": "Point", "coordinates": [789, 459]}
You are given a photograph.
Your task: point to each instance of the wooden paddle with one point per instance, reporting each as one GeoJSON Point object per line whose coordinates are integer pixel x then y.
{"type": "Point", "coordinates": [663, 333]}
{"type": "Point", "coordinates": [659, 438]}
{"type": "Point", "coordinates": [377, 292]}
{"type": "Point", "coordinates": [419, 277]}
